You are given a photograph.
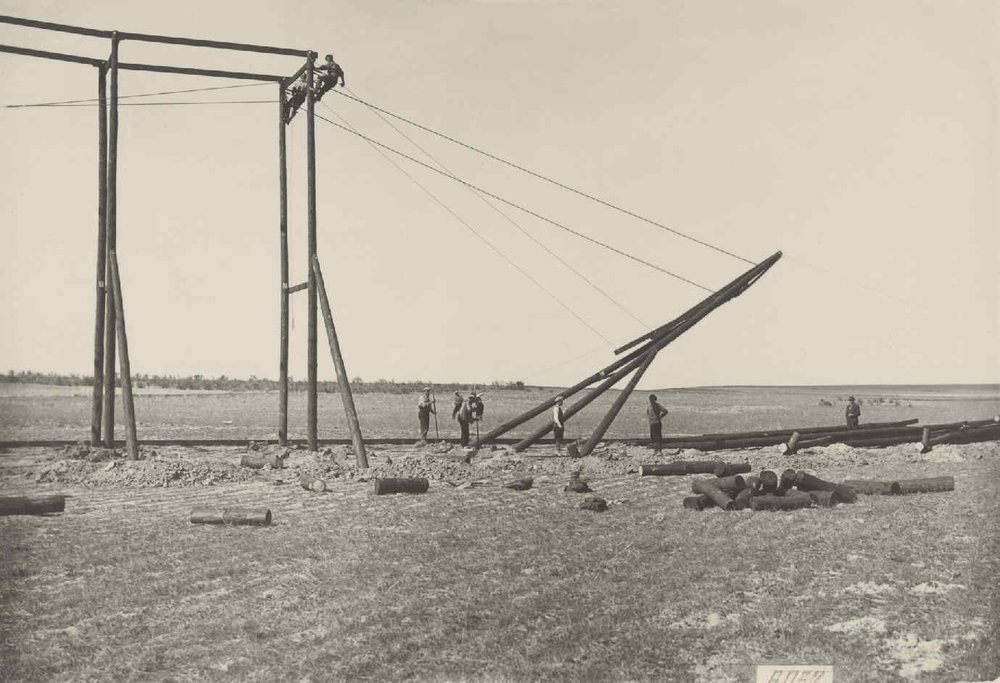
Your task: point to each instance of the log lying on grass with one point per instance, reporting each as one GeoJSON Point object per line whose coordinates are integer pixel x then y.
{"type": "Point", "coordinates": [31, 505]}
{"type": "Point", "coordinates": [742, 499]}
{"type": "Point", "coordinates": [730, 485]}
{"type": "Point", "coordinates": [807, 482]}
{"type": "Point", "coordinates": [707, 488]}
{"type": "Point", "coordinates": [522, 484]}
{"type": "Point", "coordinates": [231, 516]}
{"type": "Point", "coordinates": [776, 436]}
{"type": "Point", "coordinates": [795, 501]}
{"type": "Point", "coordinates": [393, 485]}
{"type": "Point", "coordinates": [768, 482]}
{"type": "Point", "coordinates": [927, 485]}
{"type": "Point", "coordinates": [699, 502]}
{"type": "Point", "coordinates": [872, 488]}
{"type": "Point", "coordinates": [258, 461]}
{"type": "Point", "coordinates": [311, 483]}
{"type": "Point", "coordinates": [825, 499]}
{"type": "Point", "coordinates": [678, 469]}
{"type": "Point", "coordinates": [787, 481]}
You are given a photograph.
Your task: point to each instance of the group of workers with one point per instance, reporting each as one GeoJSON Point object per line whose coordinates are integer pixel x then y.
{"type": "Point", "coordinates": [325, 76]}
{"type": "Point", "coordinates": [466, 411]}
{"type": "Point", "coordinates": [470, 410]}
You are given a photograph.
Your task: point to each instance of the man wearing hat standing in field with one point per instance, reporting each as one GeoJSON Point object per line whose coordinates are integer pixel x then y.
{"type": "Point", "coordinates": [425, 406]}
{"type": "Point", "coordinates": [853, 413]}
{"type": "Point", "coordinates": [557, 423]}
{"type": "Point", "coordinates": [465, 416]}
{"type": "Point", "coordinates": [655, 413]}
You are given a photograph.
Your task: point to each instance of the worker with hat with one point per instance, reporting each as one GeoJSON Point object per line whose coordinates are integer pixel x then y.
{"type": "Point", "coordinates": [558, 423]}
{"type": "Point", "coordinates": [425, 407]}
{"type": "Point", "coordinates": [655, 413]}
{"type": "Point", "coordinates": [853, 413]}
{"type": "Point", "coordinates": [465, 417]}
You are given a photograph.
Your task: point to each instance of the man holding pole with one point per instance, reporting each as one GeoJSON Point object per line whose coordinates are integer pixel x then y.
{"type": "Point", "coordinates": [425, 406]}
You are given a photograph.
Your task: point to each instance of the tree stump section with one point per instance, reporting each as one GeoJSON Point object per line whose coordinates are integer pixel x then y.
{"type": "Point", "coordinates": [258, 461]}
{"type": "Point", "coordinates": [927, 485]}
{"type": "Point", "coordinates": [393, 485]}
{"type": "Point", "coordinates": [311, 483]}
{"type": "Point", "coordinates": [231, 516]}
{"type": "Point", "coordinates": [768, 483]}
{"type": "Point", "coordinates": [708, 488]}
{"type": "Point", "coordinates": [31, 505]}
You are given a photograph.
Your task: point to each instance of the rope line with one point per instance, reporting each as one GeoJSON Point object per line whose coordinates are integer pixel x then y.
{"type": "Point", "coordinates": [466, 224]}
{"type": "Point", "coordinates": [547, 179]}
{"type": "Point", "coordinates": [148, 94]}
{"type": "Point", "coordinates": [510, 220]}
{"type": "Point", "coordinates": [517, 206]}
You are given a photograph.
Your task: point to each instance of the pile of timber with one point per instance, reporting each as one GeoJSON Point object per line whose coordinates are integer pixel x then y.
{"type": "Point", "coordinates": [873, 435]}
{"type": "Point", "coordinates": [793, 490]}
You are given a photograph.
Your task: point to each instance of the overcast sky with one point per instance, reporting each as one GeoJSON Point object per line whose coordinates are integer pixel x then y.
{"type": "Point", "coordinates": [859, 138]}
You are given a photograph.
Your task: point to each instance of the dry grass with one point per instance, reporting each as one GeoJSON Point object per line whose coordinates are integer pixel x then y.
{"type": "Point", "coordinates": [490, 584]}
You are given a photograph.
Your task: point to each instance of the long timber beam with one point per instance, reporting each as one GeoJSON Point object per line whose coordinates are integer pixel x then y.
{"type": "Point", "coordinates": [191, 71]}
{"type": "Point", "coordinates": [45, 54]}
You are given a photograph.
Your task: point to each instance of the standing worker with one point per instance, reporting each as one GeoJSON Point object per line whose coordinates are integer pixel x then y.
{"type": "Point", "coordinates": [557, 423]}
{"type": "Point", "coordinates": [655, 413]}
{"type": "Point", "coordinates": [853, 413]}
{"type": "Point", "coordinates": [425, 406]}
{"type": "Point", "coordinates": [477, 406]}
{"type": "Point", "coordinates": [464, 417]}
{"type": "Point", "coordinates": [457, 406]}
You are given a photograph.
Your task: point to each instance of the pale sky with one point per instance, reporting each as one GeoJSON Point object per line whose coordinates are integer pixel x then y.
{"type": "Point", "coordinates": [859, 138]}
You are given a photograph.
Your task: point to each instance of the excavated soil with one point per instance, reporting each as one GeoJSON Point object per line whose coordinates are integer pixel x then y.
{"type": "Point", "coordinates": [175, 466]}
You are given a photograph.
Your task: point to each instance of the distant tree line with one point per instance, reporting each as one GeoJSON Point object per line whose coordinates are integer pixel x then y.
{"type": "Point", "coordinates": [253, 383]}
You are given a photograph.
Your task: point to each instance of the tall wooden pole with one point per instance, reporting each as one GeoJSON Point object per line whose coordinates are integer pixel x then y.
{"type": "Point", "coordinates": [283, 230]}
{"type": "Point", "coordinates": [619, 403]}
{"type": "Point", "coordinates": [96, 401]}
{"type": "Point", "coordinates": [312, 426]}
{"type": "Point", "coordinates": [110, 245]}
{"type": "Point", "coordinates": [343, 383]}
{"type": "Point", "coordinates": [131, 441]}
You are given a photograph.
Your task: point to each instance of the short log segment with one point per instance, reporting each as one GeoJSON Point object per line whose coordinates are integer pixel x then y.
{"type": "Point", "coordinates": [786, 482]}
{"type": "Point", "coordinates": [753, 483]}
{"type": "Point", "coordinates": [872, 488]}
{"type": "Point", "coordinates": [679, 469]}
{"type": "Point", "coordinates": [699, 502]}
{"type": "Point", "coordinates": [730, 485]}
{"type": "Point", "coordinates": [795, 501]}
{"type": "Point", "coordinates": [825, 499]}
{"type": "Point", "coordinates": [522, 484]}
{"type": "Point", "coordinates": [927, 485]}
{"type": "Point", "coordinates": [742, 499]}
{"type": "Point", "coordinates": [390, 485]}
{"type": "Point", "coordinates": [807, 482]}
{"type": "Point", "coordinates": [706, 487]}
{"type": "Point", "coordinates": [793, 443]}
{"type": "Point", "coordinates": [768, 483]}
{"type": "Point", "coordinates": [257, 461]}
{"type": "Point", "coordinates": [311, 483]}
{"type": "Point", "coordinates": [231, 516]}
{"type": "Point", "coordinates": [31, 505]}
{"type": "Point", "coordinates": [727, 469]}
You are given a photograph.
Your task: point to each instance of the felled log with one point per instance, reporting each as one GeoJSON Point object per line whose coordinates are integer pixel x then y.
{"type": "Point", "coordinates": [258, 461]}
{"type": "Point", "coordinates": [231, 516]}
{"type": "Point", "coordinates": [727, 469]}
{"type": "Point", "coordinates": [824, 440]}
{"type": "Point", "coordinates": [927, 485]}
{"type": "Point", "coordinates": [786, 482]}
{"type": "Point", "coordinates": [795, 501]}
{"type": "Point", "coordinates": [31, 505]}
{"type": "Point", "coordinates": [699, 502]}
{"type": "Point", "coordinates": [825, 499]}
{"type": "Point", "coordinates": [793, 443]}
{"type": "Point", "coordinates": [731, 485]}
{"type": "Point", "coordinates": [742, 499]}
{"type": "Point", "coordinates": [807, 482]}
{"type": "Point", "coordinates": [400, 485]}
{"type": "Point", "coordinates": [703, 467]}
{"type": "Point", "coordinates": [768, 482]}
{"type": "Point", "coordinates": [872, 488]}
{"type": "Point", "coordinates": [753, 483]}
{"type": "Point", "coordinates": [311, 483]}
{"type": "Point", "coordinates": [673, 469]}
{"type": "Point", "coordinates": [707, 488]}
{"type": "Point", "coordinates": [777, 435]}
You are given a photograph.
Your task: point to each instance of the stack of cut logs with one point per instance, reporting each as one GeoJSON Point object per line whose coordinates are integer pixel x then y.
{"type": "Point", "coordinates": [789, 491]}
{"type": "Point", "coordinates": [874, 435]}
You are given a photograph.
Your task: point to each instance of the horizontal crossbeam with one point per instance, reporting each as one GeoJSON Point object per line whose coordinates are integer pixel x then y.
{"type": "Point", "coordinates": [216, 73]}
{"type": "Point", "coordinates": [297, 288]}
{"type": "Point", "coordinates": [43, 54]}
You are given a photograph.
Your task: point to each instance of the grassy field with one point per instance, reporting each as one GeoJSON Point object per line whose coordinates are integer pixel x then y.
{"type": "Point", "coordinates": [53, 412]}
{"type": "Point", "coordinates": [486, 583]}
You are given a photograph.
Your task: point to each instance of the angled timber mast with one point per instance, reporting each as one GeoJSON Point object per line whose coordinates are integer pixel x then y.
{"type": "Point", "coordinates": [109, 329]}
